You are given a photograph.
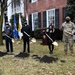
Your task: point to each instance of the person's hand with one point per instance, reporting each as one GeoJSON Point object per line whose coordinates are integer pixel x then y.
{"type": "Point", "coordinates": [47, 30]}
{"type": "Point", "coordinates": [29, 39]}
{"type": "Point", "coordinates": [73, 32]}
{"type": "Point", "coordinates": [3, 34]}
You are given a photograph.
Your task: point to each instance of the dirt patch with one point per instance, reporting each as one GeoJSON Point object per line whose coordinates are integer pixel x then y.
{"type": "Point", "coordinates": [2, 54]}
{"type": "Point", "coordinates": [45, 59]}
{"type": "Point", "coordinates": [22, 55]}
{"type": "Point", "coordinates": [48, 59]}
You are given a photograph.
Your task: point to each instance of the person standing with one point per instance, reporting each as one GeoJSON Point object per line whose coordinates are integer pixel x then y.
{"type": "Point", "coordinates": [8, 33]}
{"type": "Point", "coordinates": [68, 28]}
{"type": "Point", "coordinates": [50, 32]}
{"type": "Point", "coordinates": [26, 30]}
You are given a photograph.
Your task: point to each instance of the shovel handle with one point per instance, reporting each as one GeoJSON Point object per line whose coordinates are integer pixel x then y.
{"type": "Point", "coordinates": [10, 38]}
{"type": "Point", "coordinates": [7, 36]}
{"type": "Point", "coordinates": [27, 34]}
{"type": "Point", "coordinates": [49, 37]}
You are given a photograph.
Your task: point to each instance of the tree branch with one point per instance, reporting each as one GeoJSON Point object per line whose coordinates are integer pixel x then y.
{"type": "Point", "coordinates": [7, 5]}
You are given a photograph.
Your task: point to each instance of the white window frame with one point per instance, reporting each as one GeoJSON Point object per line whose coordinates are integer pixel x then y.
{"type": "Point", "coordinates": [47, 16]}
{"type": "Point", "coordinates": [33, 1]}
{"type": "Point", "coordinates": [33, 27]}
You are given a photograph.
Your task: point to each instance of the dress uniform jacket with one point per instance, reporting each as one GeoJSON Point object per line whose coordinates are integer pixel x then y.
{"type": "Point", "coordinates": [8, 32]}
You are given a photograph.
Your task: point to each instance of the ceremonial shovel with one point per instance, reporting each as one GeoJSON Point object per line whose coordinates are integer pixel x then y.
{"type": "Point", "coordinates": [53, 42]}
{"type": "Point", "coordinates": [9, 37]}
{"type": "Point", "coordinates": [33, 40]}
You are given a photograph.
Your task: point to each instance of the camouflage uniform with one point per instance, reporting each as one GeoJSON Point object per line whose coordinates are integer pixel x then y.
{"type": "Point", "coordinates": [68, 38]}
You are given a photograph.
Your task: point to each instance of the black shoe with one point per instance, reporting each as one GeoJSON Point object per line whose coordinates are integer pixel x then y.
{"type": "Point", "coordinates": [7, 51]}
{"type": "Point", "coordinates": [50, 52]}
{"type": "Point", "coordinates": [24, 51]}
{"type": "Point", "coordinates": [11, 51]}
{"type": "Point", "coordinates": [28, 51]}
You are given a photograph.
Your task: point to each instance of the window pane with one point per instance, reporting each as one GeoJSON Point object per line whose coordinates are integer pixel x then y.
{"type": "Point", "coordinates": [51, 16]}
{"type": "Point", "coordinates": [35, 20]}
{"type": "Point", "coordinates": [34, 0]}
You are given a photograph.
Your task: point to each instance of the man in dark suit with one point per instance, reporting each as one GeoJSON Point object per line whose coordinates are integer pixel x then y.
{"type": "Point", "coordinates": [26, 35]}
{"type": "Point", "coordinates": [8, 33]}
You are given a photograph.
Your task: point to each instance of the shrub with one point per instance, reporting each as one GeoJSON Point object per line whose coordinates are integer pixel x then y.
{"type": "Point", "coordinates": [38, 34]}
{"type": "Point", "coordinates": [58, 34]}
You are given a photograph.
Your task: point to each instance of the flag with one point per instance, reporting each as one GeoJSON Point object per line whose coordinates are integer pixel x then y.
{"type": "Point", "coordinates": [15, 32]}
{"type": "Point", "coordinates": [3, 24]}
{"type": "Point", "coordinates": [20, 27]}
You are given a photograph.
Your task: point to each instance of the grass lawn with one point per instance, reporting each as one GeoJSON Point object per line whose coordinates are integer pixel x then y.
{"type": "Point", "coordinates": [38, 62]}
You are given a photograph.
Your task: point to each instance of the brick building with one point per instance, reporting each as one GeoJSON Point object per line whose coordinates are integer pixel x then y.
{"type": "Point", "coordinates": [40, 12]}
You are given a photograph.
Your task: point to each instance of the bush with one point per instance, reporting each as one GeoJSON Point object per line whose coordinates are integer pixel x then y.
{"type": "Point", "coordinates": [38, 34]}
{"type": "Point", "coordinates": [58, 34]}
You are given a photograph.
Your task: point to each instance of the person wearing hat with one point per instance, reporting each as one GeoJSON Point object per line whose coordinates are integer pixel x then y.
{"type": "Point", "coordinates": [68, 28]}
{"type": "Point", "coordinates": [8, 33]}
{"type": "Point", "coordinates": [26, 30]}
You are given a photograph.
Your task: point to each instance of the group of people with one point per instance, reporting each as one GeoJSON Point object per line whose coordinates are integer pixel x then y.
{"type": "Point", "coordinates": [67, 27]}
{"type": "Point", "coordinates": [8, 33]}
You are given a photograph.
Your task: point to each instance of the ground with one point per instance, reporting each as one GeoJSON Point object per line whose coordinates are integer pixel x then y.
{"type": "Point", "coordinates": [38, 62]}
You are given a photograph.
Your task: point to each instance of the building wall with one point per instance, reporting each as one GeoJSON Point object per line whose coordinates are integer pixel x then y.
{"type": "Point", "coordinates": [43, 5]}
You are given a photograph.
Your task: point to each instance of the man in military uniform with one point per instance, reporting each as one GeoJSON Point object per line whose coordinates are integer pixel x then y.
{"type": "Point", "coordinates": [68, 28]}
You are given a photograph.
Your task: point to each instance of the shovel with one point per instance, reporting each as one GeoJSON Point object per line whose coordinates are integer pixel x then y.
{"type": "Point", "coordinates": [10, 38]}
{"type": "Point", "coordinates": [53, 42]}
{"type": "Point", "coordinates": [33, 39]}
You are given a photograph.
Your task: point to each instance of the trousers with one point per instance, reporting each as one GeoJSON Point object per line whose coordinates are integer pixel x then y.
{"type": "Point", "coordinates": [26, 41]}
{"type": "Point", "coordinates": [9, 45]}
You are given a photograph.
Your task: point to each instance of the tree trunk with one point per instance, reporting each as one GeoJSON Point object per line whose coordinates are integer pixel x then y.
{"type": "Point", "coordinates": [1, 38]}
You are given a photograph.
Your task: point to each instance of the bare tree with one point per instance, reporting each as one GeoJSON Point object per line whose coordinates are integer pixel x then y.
{"type": "Point", "coordinates": [3, 8]}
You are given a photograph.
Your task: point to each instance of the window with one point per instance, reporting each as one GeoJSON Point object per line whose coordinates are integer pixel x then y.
{"type": "Point", "coordinates": [33, 1]}
{"type": "Point", "coordinates": [50, 16]}
{"type": "Point", "coordinates": [17, 2]}
{"type": "Point", "coordinates": [16, 6]}
{"type": "Point", "coordinates": [35, 20]}
{"type": "Point", "coordinates": [64, 13]}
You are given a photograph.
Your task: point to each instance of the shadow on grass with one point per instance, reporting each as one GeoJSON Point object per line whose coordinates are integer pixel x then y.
{"type": "Point", "coordinates": [62, 61]}
{"type": "Point", "coordinates": [2, 54]}
{"type": "Point", "coordinates": [45, 59]}
{"type": "Point", "coordinates": [22, 55]}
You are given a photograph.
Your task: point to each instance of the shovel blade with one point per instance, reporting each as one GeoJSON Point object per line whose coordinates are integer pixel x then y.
{"type": "Point", "coordinates": [55, 43]}
{"type": "Point", "coordinates": [13, 40]}
{"type": "Point", "coordinates": [33, 40]}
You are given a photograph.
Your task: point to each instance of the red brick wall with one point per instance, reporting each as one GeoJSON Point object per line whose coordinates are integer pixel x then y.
{"type": "Point", "coordinates": [43, 5]}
